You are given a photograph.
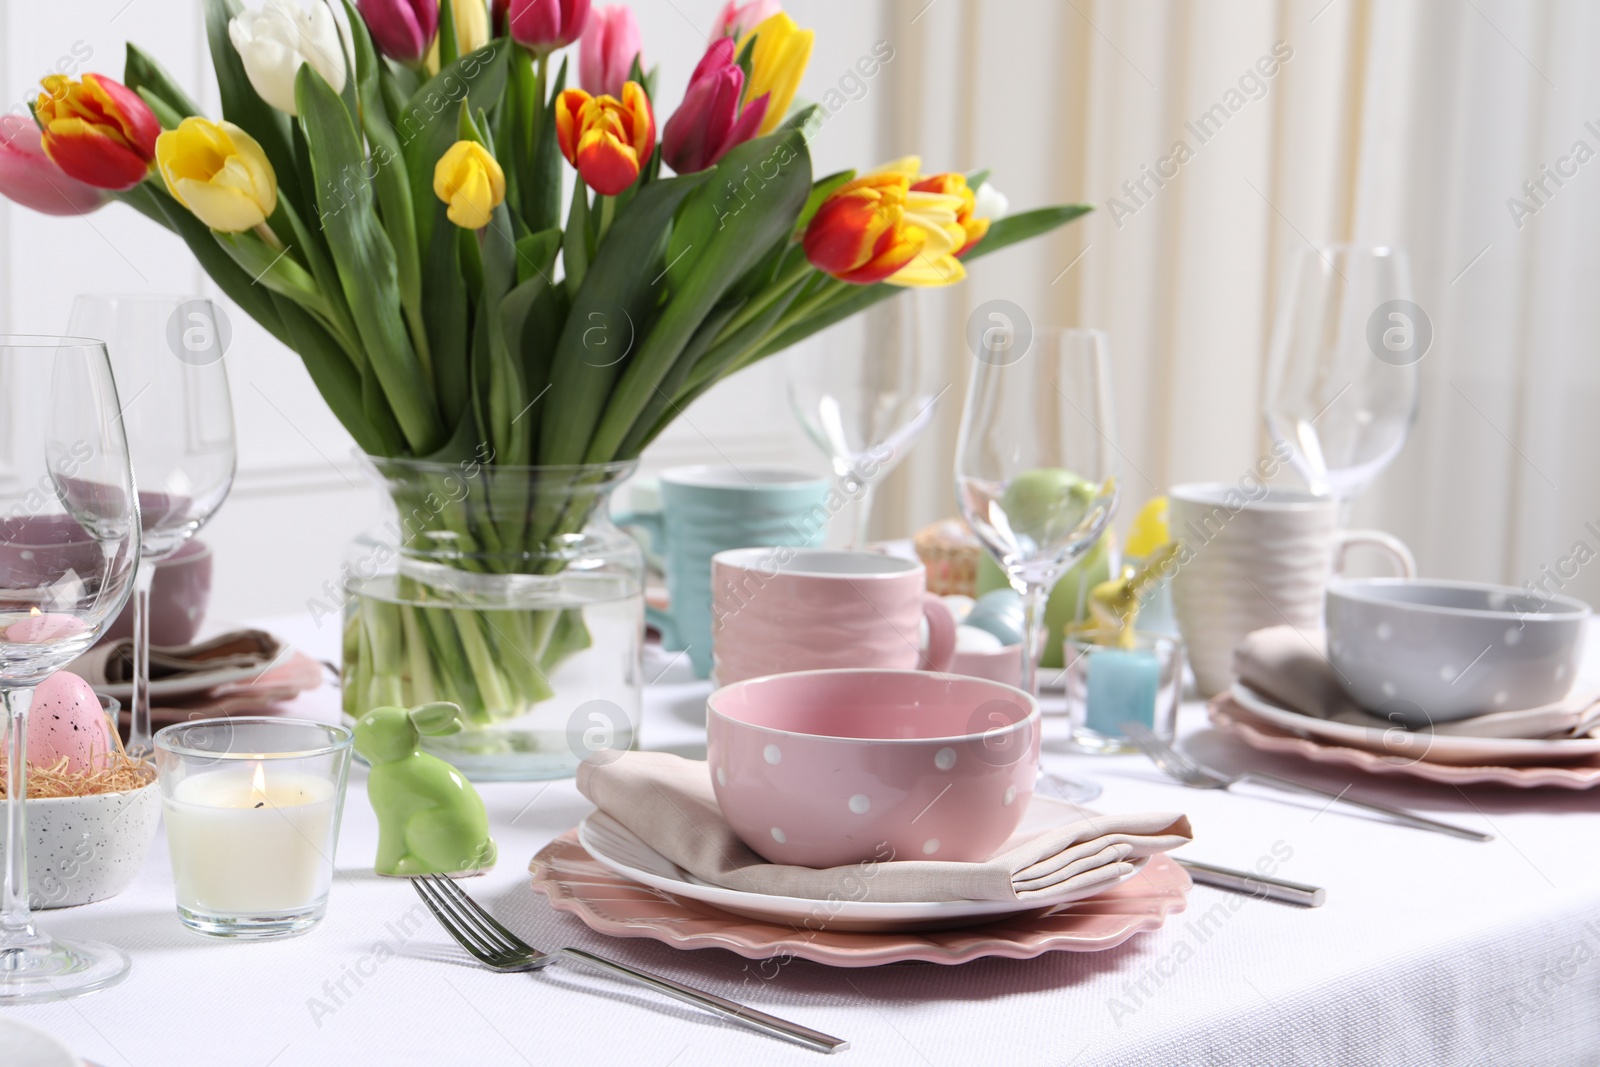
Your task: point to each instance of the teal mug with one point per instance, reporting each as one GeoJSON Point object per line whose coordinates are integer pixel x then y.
{"type": "Point", "coordinates": [706, 510]}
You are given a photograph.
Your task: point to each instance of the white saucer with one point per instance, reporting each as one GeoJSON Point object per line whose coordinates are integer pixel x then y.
{"type": "Point", "coordinates": [1416, 744]}
{"type": "Point", "coordinates": [29, 1047]}
{"type": "Point", "coordinates": [624, 853]}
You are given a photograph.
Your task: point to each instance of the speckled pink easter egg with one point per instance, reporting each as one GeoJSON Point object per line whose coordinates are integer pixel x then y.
{"type": "Point", "coordinates": [66, 720]}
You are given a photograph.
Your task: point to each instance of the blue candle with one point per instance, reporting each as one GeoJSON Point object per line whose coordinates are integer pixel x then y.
{"type": "Point", "coordinates": [1122, 687]}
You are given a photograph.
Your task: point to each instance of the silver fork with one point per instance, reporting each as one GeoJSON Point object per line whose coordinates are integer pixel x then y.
{"type": "Point", "coordinates": [475, 930]}
{"type": "Point", "coordinates": [1176, 765]}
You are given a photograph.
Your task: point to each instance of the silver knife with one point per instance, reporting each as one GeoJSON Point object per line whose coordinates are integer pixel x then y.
{"type": "Point", "coordinates": [1256, 885]}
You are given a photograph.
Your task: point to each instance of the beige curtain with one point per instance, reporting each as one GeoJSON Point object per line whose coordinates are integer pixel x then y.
{"type": "Point", "coordinates": [1409, 122]}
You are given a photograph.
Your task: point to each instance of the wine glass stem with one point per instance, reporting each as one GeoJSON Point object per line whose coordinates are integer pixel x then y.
{"type": "Point", "coordinates": [863, 516]}
{"type": "Point", "coordinates": [139, 736]}
{"type": "Point", "coordinates": [1032, 636]}
{"type": "Point", "coordinates": [15, 922]}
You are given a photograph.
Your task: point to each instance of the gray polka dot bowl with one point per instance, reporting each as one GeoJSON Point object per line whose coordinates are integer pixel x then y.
{"type": "Point", "coordinates": [834, 767]}
{"type": "Point", "coordinates": [83, 849]}
{"type": "Point", "coordinates": [1422, 652]}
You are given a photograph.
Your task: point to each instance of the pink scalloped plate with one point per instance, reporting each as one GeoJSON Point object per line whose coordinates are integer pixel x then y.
{"type": "Point", "coordinates": [1232, 719]}
{"type": "Point", "coordinates": [611, 904]}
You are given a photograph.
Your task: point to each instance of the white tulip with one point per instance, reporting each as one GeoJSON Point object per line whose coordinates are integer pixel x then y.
{"type": "Point", "coordinates": [274, 41]}
{"type": "Point", "coordinates": [991, 203]}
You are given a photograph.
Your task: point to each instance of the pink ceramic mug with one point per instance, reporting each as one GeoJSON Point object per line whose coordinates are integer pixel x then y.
{"type": "Point", "coordinates": [776, 610]}
{"type": "Point", "coordinates": [825, 768]}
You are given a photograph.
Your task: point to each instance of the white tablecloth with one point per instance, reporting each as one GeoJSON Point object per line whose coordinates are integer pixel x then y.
{"type": "Point", "coordinates": [1429, 950]}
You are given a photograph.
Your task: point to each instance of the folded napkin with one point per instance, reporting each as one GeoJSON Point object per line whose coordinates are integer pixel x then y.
{"type": "Point", "coordinates": [112, 663]}
{"type": "Point", "coordinates": [1291, 667]}
{"type": "Point", "coordinates": [667, 801]}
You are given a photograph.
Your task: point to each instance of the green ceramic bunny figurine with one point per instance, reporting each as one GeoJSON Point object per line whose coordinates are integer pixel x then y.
{"type": "Point", "coordinates": [430, 819]}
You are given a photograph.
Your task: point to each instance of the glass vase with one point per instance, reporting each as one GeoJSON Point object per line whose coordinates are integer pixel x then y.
{"type": "Point", "coordinates": [508, 591]}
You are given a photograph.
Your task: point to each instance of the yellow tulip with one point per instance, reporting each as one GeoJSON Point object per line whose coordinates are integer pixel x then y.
{"type": "Point", "coordinates": [471, 19]}
{"type": "Point", "coordinates": [471, 182]}
{"type": "Point", "coordinates": [777, 64]}
{"type": "Point", "coordinates": [218, 172]}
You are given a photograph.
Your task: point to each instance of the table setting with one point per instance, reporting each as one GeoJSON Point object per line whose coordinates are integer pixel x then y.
{"type": "Point", "coordinates": [1067, 776]}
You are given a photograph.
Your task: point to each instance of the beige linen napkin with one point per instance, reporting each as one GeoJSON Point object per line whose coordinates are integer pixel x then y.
{"type": "Point", "coordinates": [667, 801]}
{"type": "Point", "coordinates": [112, 663]}
{"type": "Point", "coordinates": [1290, 666]}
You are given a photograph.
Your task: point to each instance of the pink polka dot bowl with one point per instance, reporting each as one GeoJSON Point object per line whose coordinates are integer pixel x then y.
{"type": "Point", "coordinates": [829, 768]}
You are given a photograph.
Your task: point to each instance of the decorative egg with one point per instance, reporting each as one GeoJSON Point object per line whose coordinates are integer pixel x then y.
{"type": "Point", "coordinates": [1000, 612]}
{"type": "Point", "coordinates": [66, 719]}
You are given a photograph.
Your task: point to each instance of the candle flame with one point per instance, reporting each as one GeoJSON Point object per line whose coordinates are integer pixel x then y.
{"type": "Point", "coordinates": [258, 786]}
{"type": "Point", "coordinates": [34, 611]}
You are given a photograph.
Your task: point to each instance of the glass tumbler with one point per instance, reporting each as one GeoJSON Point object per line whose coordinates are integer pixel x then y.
{"type": "Point", "coordinates": [1108, 686]}
{"type": "Point", "coordinates": [252, 809]}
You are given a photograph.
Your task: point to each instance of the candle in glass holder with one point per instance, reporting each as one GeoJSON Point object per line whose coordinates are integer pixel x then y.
{"type": "Point", "coordinates": [251, 832]}
{"type": "Point", "coordinates": [40, 627]}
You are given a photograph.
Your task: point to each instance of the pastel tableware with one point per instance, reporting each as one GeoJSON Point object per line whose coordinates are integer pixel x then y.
{"type": "Point", "coordinates": [625, 853]}
{"type": "Point", "coordinates": [1425, 652]}
{"type": "Point", "coordinates": [1252, 557]}
{"type": "Point", "coordinates": [827, 768]}
{"type": "Point", "coordinates": [84, 849]}
{"type": "Point", "coordinates": [777, 610]}
{"type": "Point", "coordinates": [706, 510]}
{"type": "Point", "coordinates": [617, 906]}
{"type": "Point", "coordinates": [179, 594]}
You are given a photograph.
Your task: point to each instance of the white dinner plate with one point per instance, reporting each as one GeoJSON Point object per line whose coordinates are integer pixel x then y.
{"type": "Point", "coordinates": [620, 850]}
{"type": "Point", "coordinates": [1417, 744]}
{"type": "Point", "coordinates": [26, 1046]}
{"type": "Point", "coordinates": [195, 684]}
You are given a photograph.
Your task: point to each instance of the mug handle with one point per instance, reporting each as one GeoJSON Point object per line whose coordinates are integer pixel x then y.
{"type": "Point", "coordinates": [1387, 543]}
{"type": "Point", "coordinates": [655, 530]}
{"type": "Point", "coordinates": [941, 635]}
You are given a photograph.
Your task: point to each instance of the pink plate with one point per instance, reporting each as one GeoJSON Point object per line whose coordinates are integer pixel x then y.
{"type": "Point", "coordinates": [576, 882]}
{"type": "Point", "coordinates": [1227, 716]}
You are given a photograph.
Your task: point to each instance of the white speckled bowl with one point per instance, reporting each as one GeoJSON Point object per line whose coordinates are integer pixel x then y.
{"type": "Point", "coordinates": [83, 849]}
{"type": "Point", "coordinates": [1425, 652]}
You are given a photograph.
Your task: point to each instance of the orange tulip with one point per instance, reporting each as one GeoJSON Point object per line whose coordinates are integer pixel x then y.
{"type": "Point", "coordinates": [97, 130]}
{"type": "Point", "coordinates": [881, 227]}
{"type": "Point", "coordinates": [859, 234]}
{"type": "Point", "coordinates": [606, 139]}
{"type": "Point", "coordinates": [956, 185]}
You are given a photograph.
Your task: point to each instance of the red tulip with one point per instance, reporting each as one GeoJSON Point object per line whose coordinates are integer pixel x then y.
{"type": "Point", "coordinates": [402, 29]}
{"type": "Point", "coordinates": [710, 121]}
{"type": "Point", "coordinates": [606, 53]}
{"type": "Point", "coordinates": [28, 177]}
{"type": "Point", "coordinates": [545, 25]}
{"type": "Point", "coordinates": [607, 140]}
{"type": "Point", "coordinates": [97, 130]}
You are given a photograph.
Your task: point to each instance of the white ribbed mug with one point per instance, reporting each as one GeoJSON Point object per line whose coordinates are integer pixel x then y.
{"type": "Point", "coordinates": [1252, 558]}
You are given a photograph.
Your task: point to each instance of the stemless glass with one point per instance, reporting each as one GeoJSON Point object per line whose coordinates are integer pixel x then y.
{"type": "Point", "coordinates": [1036, 473]}
{"type": "Point", "coordinates": [1342, 377]}
{"type": "Point", "coordinates": [863, 397]}
{"type": "Point", "coordinates": [69, 547]}
{"type": "Point", "coordinates": [166, 353]}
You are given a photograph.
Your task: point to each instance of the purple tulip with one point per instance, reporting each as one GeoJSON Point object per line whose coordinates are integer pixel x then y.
{"type": "Point", "coordinates": [545, 25]}
{"type": "Point", "coordinates": [402, 29]}
{"type": "Point", "coordinates": [709, 121]}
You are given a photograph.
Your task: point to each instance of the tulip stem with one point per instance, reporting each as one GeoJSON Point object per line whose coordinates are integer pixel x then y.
{"type": "Point", "coordinates": [608, 208]}
{"type": "Point", "coordinates": [264, 232]}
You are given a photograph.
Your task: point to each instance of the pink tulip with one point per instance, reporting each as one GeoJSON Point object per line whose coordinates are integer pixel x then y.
{"type": "Point", "coordinates": [402, 29]}
{"type": "Point", "coordinates": [709, 121]}
{"type": "Point", "coordinates": [28, 177]}
{"type": "Point", "coordinates": [737, 19]}
{"type": "Point", "coordinates": [545, 25]}
{"type": "Point", "coordinates": [607, 51]}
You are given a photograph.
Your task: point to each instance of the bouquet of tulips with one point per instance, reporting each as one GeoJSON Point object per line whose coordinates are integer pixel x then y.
{"type": "Point", "coordinates": [383, 193]}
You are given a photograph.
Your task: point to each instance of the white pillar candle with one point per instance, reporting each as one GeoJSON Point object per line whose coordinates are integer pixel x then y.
{"type": "Point", "coordinates": [250, 840]}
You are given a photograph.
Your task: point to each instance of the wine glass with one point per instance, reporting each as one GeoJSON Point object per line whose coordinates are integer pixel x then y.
{"type": "Point", "coordinates": [1036, 471]}
{"type": "Point", "coordinates": [1342, 377]}
{"type": "Point", "coordinates": [862, 396]}
{"type": "Point", "coordinates": [166, 353]}
{"type": "Point", "coordinates": [69, 547]}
